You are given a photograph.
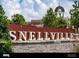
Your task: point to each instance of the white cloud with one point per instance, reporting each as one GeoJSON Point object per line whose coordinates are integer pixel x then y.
{"type": "Point", "coordinates": [11, 7]}
{"type": "Point", "coordinates": [26, 8]}
{"type": "Point", "coordinates": [29, 1]}
{"type": "Point", "coordinates": [67, 7]}
{"type": "Point", "coordinates": [29, 12]}
{"type": "Point", "coordinates": [54, 4]}
{"type": "Point", "coordinates": [42, 8]}
{"type": "Point", "coordinates": [38, 1]}
{"type": "Point", "coordinates": [41, 5]}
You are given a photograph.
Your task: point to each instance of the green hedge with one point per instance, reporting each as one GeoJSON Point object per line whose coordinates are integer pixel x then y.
{"type": "Point", "coordinates": [5, 46]}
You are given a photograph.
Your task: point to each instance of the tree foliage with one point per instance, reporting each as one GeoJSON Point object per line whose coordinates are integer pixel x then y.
{"type": "Point", "coordinates": [61, 23]}
{"type": "Point", "coordinates": [4, 33]}
{"type": "Point", "coordinates": [1, 11]}
{"type": "Point", "coordinates": [75, 14]}
{"type": "Point", "coordinates": [18, 19]}
{"type": "Point", "coordinates": [51, 20]}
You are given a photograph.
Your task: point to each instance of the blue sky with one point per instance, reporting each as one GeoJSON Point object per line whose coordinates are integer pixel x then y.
{"type": "Point", "coordinates": [33, 9]}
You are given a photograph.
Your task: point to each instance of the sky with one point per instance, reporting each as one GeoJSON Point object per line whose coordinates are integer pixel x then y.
{"type": "Point", "coordinates": [33, 9]}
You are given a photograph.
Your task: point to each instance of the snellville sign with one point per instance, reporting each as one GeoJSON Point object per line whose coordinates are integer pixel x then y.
{"type": "Point", "coordinates": [26, 32]}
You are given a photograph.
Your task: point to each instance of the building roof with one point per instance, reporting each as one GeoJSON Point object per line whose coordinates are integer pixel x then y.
{"type": "Point", "coordinates": [59, 7]}
{"type": "Point", "coordinates": [35, 22]}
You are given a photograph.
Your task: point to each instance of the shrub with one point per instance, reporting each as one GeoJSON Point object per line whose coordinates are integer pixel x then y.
{"type": "Point", "coordinates": [5, 46]}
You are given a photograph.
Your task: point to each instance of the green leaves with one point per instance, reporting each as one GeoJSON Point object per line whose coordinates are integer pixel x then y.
{"type": "Point", "coordinates": [18, 19]}
{"type": "Point", "coordinates": [1, 11]}
{"type": "Point", "coordinates": [5, 46]}
{"type": "Point", "coordinates": [5, 42]}
{"type": "Point", "coordinates": [75, 14]}
{"type": "Point", "coordinates": [51, 20]}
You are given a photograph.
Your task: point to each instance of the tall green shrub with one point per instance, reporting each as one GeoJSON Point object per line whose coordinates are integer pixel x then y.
{"type": "Point", "coordinates": [5, 42]}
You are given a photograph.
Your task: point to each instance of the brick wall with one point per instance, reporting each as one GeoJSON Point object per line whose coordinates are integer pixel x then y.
{"type": "Point", "coordinates": [42, 47]}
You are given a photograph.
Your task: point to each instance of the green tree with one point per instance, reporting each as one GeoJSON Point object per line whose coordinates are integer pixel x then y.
{"type": "Point", "coordinates": [51, 20]}
{"type": "Point", "coordinates": [69, 23]}
{"type": "Point", "coordinates": [18, 19]}
{"type": "Point", "coordinates": [1, 11]}
{"type": "Point", "coordinates": [9, 21]}
{"type": "Point", "coordinates": [75, 14]}
{"type": "Point", "coordinates": [5, 42]}
{"type": "Point", "coordinates": [61, 23]}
